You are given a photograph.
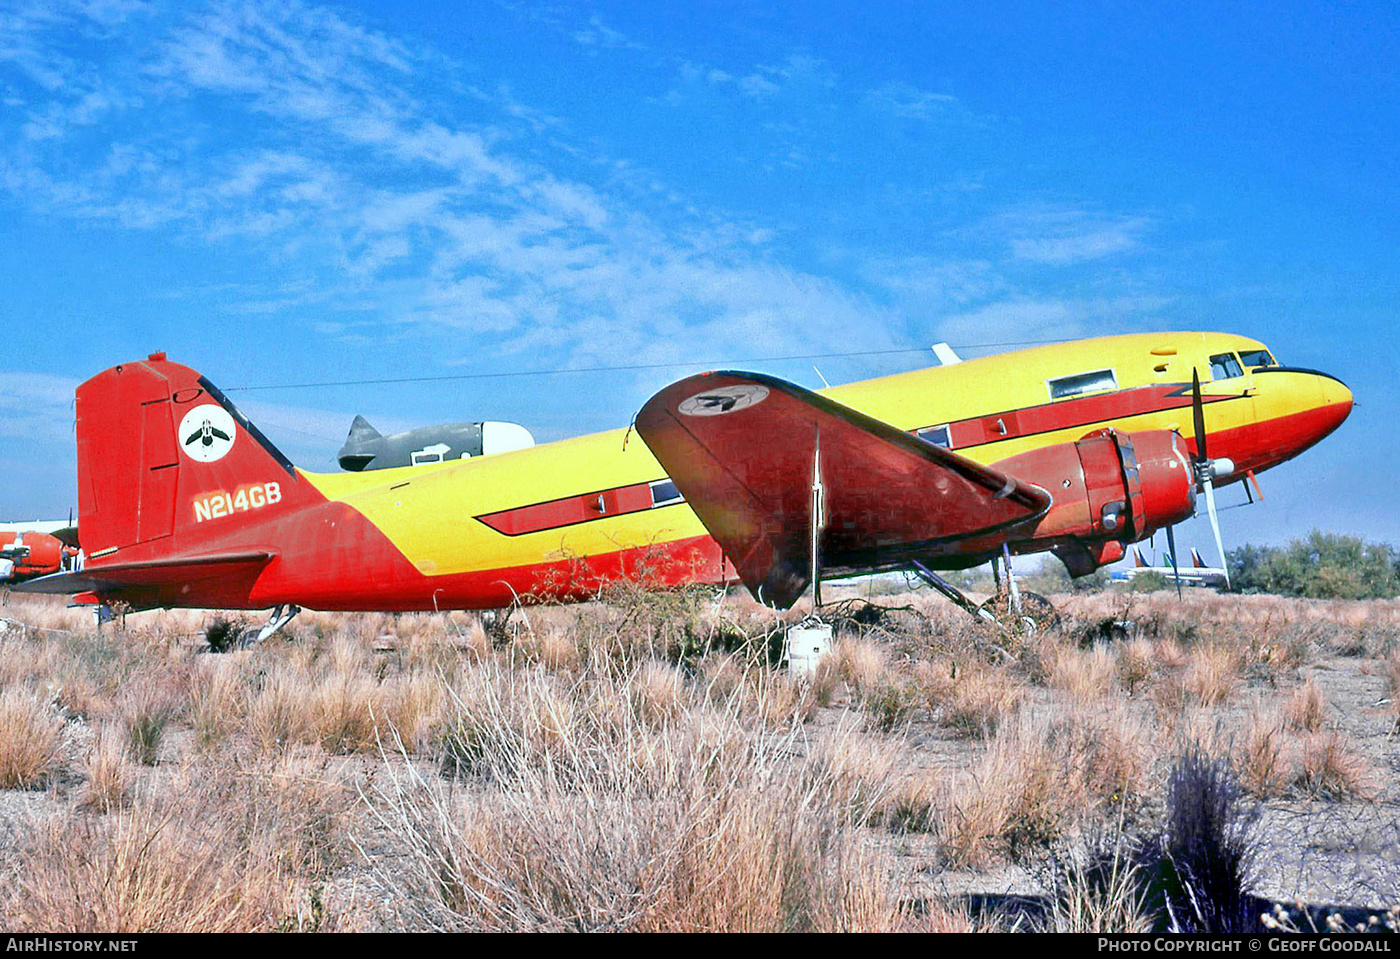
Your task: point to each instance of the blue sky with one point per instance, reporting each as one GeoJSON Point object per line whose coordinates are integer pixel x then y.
{"type": "Point", "coordinates": [280, 193]}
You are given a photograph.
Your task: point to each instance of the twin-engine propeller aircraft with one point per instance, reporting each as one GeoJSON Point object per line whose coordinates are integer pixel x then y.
{"type": "Point", "coordinates": [29, 553]}
{"type": "Point", "coordinates": [1076, 448]}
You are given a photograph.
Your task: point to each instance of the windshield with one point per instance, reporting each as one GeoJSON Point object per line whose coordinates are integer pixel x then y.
{"type": "Point", "coordinates": [1224, 366]}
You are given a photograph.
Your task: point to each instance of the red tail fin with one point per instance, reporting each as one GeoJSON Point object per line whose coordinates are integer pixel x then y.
{"type": "Point", "coordinates": [163, 457]}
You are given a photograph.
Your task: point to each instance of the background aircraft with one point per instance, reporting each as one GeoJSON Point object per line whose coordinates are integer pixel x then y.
{"type": "Point", "coordinates": [366, 449]}
{"type": "Point", "coordinates": [1198, 573]}
{"type": "Point", "coordinates": [28, 553]}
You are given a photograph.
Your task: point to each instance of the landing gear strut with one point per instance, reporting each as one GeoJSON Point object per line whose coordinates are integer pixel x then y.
{"type": "Point", "coordinates": [280, 617]}
{"type": "Point", "coordinates": [951, 591]}
{"type": "Point", "coordinates": [1028, 613]}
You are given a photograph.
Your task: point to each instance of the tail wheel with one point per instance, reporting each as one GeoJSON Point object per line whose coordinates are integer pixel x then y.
{"type": "Point", "coordinates": [1036, 616]}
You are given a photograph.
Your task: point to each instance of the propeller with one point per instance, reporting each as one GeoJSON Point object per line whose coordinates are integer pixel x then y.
{"type": "Point", "coordinates": [1206, 471]}
{"type": "Point", "coordinates": [1171, 547]}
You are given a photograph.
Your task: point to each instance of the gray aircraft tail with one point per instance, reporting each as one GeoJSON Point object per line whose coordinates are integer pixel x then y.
{"type": "Point", "coordinates": [360, 430]}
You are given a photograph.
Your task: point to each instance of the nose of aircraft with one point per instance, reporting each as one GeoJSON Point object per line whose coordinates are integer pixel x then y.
{"type": "Point", "coordinates": [1336, 403]}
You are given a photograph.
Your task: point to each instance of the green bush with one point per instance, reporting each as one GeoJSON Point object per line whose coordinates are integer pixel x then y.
{"type": "Point", "coordinates": [1320, 566]}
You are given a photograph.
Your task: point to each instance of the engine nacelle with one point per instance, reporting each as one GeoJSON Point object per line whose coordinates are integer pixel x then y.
{"type": "Point", "coordinates": [26, 555]}
{"type": "Point", "coordinates": [1110, 485]}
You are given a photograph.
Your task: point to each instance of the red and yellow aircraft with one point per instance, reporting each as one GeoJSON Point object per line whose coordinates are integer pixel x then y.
{"type": "Point", "coordinates": [1077, 448]}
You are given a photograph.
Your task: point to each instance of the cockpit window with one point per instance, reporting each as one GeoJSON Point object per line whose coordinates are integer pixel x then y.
{"type": "Point", "coordinates": [1253, 359]}
{"type": "Point", "coordinates": [1224, 366]}
{"type": "Point", "coordinates": [1082, 383]}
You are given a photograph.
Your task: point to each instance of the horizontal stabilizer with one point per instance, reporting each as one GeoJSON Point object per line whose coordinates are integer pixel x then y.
{"type": "Point", "coordinates": [155, 573]}
{"type": "Point", "coordinates": [743, 448]}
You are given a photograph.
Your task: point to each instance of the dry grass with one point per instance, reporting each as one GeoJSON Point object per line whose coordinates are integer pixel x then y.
{"type": "Point", "coordinates": [1332, 768]}
{"type": "Point", "coordinates": [1212, 674]}
{"type": "Point", "coordinates": [1261, 762]}
{"type": "Point", "coordinates": [596, 819]}
{"type": "Point", "coordinates": [31, 737]}
{"type": "Point", "coordinates": [110, 775]}
{"type": "Point", "coordinates": [1085, 675]}
{"type": "Point", "coordinates": [970, 697]}
{"type": "Point", "coordinates": [639, 764]}
{"type": "Point", "coordinates": [1306, 708]}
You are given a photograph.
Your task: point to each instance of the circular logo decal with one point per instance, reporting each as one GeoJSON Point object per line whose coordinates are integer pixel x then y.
{"type": "Point", "coordinates": [724, 399]}
{"type": "Point", "coordinates": [207, 433]}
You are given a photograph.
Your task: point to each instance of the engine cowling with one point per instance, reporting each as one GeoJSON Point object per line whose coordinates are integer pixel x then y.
{"type": "Point", "coordinates": [30, 554]}
{"type": "Point", "coordinates": [1110, 486]}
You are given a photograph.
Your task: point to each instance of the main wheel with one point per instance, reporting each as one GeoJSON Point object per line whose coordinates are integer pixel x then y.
{"type": "Point", "coordinates": [1037, 613]}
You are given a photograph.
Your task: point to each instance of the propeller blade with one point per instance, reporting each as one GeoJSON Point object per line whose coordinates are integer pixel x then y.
{"type": "Point", "coordinates": [1171, 546]}
{"type": "Point", "coordinates": [1215, 528]}
{"type": "Point", "coordinates": [1198, 417]}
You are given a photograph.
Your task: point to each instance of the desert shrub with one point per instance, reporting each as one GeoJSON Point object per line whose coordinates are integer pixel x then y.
{"type": "Point", "coordinates": [1332, 769]}
{"type": "Point", "coordinates": [31, 737]}
{"type": "Point", "coordinates": [109, 772]}
{"type": "Point", "coordinates": [605, 823]}
{"type": "Point", "coordinates": [1306, 707]}
{"type": "Point", "coordinates": [1199, 869]}
{"type": "Point", "coordinates": [223, 634]}
{"type": "Point", "coordinates": [1097, 888]}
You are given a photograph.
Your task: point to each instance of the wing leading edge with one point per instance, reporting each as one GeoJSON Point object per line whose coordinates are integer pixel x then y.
{"type": "Point", "coordinates": [741, 448]}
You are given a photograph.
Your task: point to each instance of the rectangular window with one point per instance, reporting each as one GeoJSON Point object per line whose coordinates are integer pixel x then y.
{"type": "Point", "coordinates": [937, 435]}
{"type": "Point", "coordinates": [1224, 366]}
{"type": "Point", "coordinates": [1082, 383]}
{"type": "Point", "coordinates": [1254, 359]}
{"type": "Point", "coordinates": [664, 493]}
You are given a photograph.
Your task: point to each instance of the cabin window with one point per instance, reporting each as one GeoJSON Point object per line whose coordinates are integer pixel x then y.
{"type": "Point", "coordinates": [937, 435]}
{"type": "Point", "coordinates": [1254, 359]}
{"type": "Point", "coordinates": [1224, 366]}
{"type": "Point", "coordinates": [664, 493]}
{"type": "Point", "coordinates": [1082, 383]}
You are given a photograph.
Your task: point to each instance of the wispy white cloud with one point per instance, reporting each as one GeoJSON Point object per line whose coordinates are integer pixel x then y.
{"type": "Point", "coordinates": [1023, 319]}
{"type": "Point", "coordinates": [599, 34]}
{"type": "Point", "coordinates": [481, 239]}
{"type": "Point", "coordinates": [37, 407]}
{"type": "Point", "coordinates": [1062, 237]}
{"type": "Point", "coordinates": [460, 222]}
{"type": "Point", "coordinates": [910, 102]}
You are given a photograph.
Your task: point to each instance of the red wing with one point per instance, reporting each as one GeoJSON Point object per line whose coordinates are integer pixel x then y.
{"type": "Point", "coordinates": [740, 448]}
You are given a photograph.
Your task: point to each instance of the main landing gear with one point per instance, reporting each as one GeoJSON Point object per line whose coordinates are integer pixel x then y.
{"type": "Point", "coordinates": [1011, 608]}
{"type": "Point", "coordinates": [280, 617]}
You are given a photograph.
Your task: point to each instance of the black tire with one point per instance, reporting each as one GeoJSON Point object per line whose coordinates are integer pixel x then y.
{"type": "Point", "coordinates": [1037, 613]}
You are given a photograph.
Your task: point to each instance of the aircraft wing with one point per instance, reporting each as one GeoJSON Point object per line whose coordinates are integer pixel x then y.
{"type": "Point", "coordinates": [153, 574]}
{"type": "Point", "coordinates": [741, 448]}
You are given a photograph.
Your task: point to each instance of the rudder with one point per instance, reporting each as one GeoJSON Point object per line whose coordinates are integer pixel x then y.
{"type": "Point", "coordinates": [163, 455]}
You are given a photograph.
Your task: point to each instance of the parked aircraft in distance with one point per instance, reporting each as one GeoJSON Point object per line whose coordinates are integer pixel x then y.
{"type": "Point", "coordinates": [1197, 574]}
{"type": "Point", "coordinates": [1076, 448]}
{"type": "Point", "coordinates": [27, 552]}
{"type": "Point", "coordinates": [366, 449]}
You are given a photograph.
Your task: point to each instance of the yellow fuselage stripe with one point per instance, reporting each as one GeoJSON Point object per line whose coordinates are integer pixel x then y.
{"type": "Point", "coordinates": [428, 512]}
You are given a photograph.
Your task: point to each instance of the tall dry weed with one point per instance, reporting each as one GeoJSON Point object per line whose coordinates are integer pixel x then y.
{"type": "Point", "coordinates": [607, 823]}
{"type": "Point", "coordinates": [31, 739]}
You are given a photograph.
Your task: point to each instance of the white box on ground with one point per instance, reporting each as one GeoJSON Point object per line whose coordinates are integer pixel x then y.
{"type": "Point", "coordinates": [805, 646]}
